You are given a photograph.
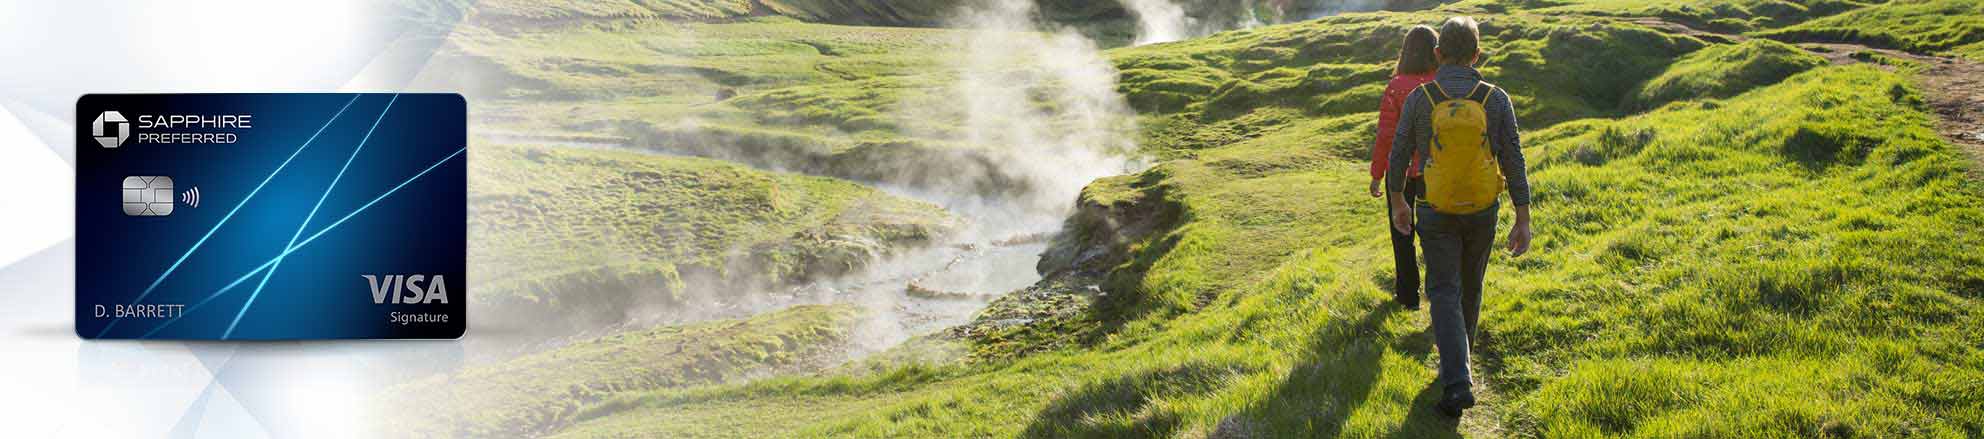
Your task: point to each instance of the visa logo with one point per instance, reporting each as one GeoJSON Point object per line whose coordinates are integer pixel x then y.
{"type": "Point", "coordinates": [405, 289]}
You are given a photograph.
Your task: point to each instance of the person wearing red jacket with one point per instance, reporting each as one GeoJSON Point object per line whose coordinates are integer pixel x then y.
{"type": "Point", "coordinates": [1416, 65]}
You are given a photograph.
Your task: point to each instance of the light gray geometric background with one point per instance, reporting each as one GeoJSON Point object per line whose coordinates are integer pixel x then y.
{"type": "Point", "coordinates": [53, 384]}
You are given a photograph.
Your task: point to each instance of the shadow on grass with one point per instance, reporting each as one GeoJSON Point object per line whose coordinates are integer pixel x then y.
{"type": "Point", "coordinates": [1335, 377]}
{"type": "Point", "coordinates": [1426, 421]}
{"type": "Point", "coordinates": [1117, 407]}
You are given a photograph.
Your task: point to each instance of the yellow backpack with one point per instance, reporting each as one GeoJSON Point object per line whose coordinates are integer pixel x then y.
{"type": "Point", "coordinates": [1460, 171]}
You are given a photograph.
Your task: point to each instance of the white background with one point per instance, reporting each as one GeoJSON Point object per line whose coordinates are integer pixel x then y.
{"type": "Point", "coordinates": [53, 384]}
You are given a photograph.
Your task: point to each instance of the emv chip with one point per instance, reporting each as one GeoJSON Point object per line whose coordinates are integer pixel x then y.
{"type": "Point", "coordinates": [147, 195]}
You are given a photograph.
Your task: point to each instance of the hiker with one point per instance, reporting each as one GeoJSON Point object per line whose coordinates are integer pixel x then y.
{"type": "Point", "coordinates": [1465, 131]}
{"type": "Point", "coordinates": [1414, 68]}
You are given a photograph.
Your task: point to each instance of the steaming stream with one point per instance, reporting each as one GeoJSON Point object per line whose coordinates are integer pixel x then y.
{"type": "Point", "coordinates": [1042, 97]}
{"type": "Point", "coordinates": [918, 291]}
{"type": "Point", "coordinates": [1047, 99]}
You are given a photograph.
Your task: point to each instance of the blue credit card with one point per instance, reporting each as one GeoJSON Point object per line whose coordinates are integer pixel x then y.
{"type": "Point", "coordinates": [273, 216]}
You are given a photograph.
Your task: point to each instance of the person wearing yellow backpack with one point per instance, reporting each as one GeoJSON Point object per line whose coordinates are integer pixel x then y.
{"type": "Point", "coordinates": [1465, 131]}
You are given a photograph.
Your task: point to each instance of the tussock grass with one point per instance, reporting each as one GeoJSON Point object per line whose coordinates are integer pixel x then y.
{"type": "Point", "coordinates": [1723, 71]}
{"type": "Point", "coordinates": [1558, 68]}
{"type": "Point", "coordinates": [870, 12]}
{"type": "Point", "coordinates": [1727, 16]}
{"type": "Point", "coordinates": [1792, 261]}
{"type": "Point", "coordinates": [1752, 252]}
{"type": "Point", "coordinates": [1732, 241]}
{"type": "Point", "coordinates": [1954, 27]}
{"type": "Point", "coordinates": [688, 63]}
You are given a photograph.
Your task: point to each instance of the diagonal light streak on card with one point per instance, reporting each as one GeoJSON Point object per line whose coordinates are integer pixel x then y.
{"type": "Point", "coordinates": [231, 212]}
{"type": "Point", "coordinates": [306, 241]}
{"type": "Point", "coordinates": [306, 218]}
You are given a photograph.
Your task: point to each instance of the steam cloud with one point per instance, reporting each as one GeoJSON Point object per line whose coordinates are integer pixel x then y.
{"type": "Point", "coordinates": [1324, 8]}
{"type": "Point", "coordinates": [1037, 101]}
{"type": "Point", "coordinates": [1043, 102]}
{"type": "Point", "coordinates": [1160, 21]}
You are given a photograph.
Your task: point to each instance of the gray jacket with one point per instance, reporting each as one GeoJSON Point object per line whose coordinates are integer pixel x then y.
{"type": "Point", "coordinates": [1415, 131]}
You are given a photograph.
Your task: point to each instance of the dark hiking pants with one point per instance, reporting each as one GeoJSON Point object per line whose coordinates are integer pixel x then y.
{"type": "Point", "coordinates": [1456, 249]}
{"type": "Point", "coordinates": [1405, 259]}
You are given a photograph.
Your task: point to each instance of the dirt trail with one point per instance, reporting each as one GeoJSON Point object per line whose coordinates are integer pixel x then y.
{"type": "Point", "coordinates": [1954, 87]}
{"type": "Point", "coordinates": [1955, 90]}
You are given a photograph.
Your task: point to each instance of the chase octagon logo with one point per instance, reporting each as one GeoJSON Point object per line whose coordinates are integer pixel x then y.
{"type": "Point", "coordinates": [117, 122]}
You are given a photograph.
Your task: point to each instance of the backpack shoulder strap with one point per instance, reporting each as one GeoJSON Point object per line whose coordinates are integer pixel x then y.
{"type": "Point", "coordinates": [1434, 94]}
{"type": "Point", "coordinates": [1481, 92]}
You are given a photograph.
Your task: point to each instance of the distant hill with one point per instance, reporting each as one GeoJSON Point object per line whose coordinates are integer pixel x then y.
{"type": "Point", "coordinates": [1112, 22]}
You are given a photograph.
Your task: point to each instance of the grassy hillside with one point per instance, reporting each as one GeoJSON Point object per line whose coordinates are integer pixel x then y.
{"type": "Point", "coordinates": [1577, 66]}
{"type": "Point", "coordinates": [685, 63]}
{"type": "Point", "coordinates": [598, 227]}
{"type": "Point", "coordinates": [1746, 272]}
{"type": "Point", "coordinates": [541, 392]}
{"type": "Point", "coordinates": [1236, 86]}
{"type": "Point", "coordinates": [1954, 27]}
{"type": "Point", "coordinates": [543, 12]}
{"type": "Point", "coordinates": [1109, 22]}
{"type": "Point", "coordinates": [1791, 260]}
{"type": "Point", "coordinates": [1724, 71]}
{"type": "Point", "coordinates": [1734, 239]}
{"type": "Point", "coordinates": [1730, 16]}
{"type": "Point", "coordinates": [874, 105]}
{"type": "Point", "coordinates": [810, 98]}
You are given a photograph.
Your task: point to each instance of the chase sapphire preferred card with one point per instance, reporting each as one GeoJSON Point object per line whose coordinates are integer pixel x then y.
{"type": "Point", "coordinates": [271, 216]}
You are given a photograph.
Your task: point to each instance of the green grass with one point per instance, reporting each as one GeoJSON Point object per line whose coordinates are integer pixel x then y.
{"type": "Point", "coordinates": [867, 104]}
{"type": "Point", "coordinates": [1733, 240]}
{"type": "Point", "coordinates": [688, 63]}
{"type": "Point", "coordinates": [1954, 27]}
{"type": "Point", "coordinates": [1728, 16]}
{"type": "Point", "coordinates": [1557, 68]}
{"type": "Point", "coordinates": [871, 12]}
{"type": "Point", "coordinates": [818, 99]}
{"type": "Point", "coordinates": [1791, 261]}
{"type": "Point", "coordinates": [1109, 23]}
{"type": "Point", "coordinates": [1747, 249]}
{"type": "Point", "coordinates": [628, 218]}
{"type": "Point", "coordinates": [544, 391]}
{"type": "Point", "coordinates": [1723, 71]}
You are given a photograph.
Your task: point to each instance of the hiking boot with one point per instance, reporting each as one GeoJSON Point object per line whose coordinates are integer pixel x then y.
{"type": "Point", "coordinates": [1407, 298]}
{"type": "Point", "coordinates": [1458, 399]}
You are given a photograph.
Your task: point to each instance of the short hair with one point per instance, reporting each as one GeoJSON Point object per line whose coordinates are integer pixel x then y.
{"type": "Point", "coordinates": [1460, 40]}
{"type": "Point", "coordinates": [1415, 54]}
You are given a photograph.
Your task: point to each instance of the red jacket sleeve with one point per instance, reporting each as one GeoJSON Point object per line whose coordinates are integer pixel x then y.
{"type": "Point", "coordinates": [1388, 108]}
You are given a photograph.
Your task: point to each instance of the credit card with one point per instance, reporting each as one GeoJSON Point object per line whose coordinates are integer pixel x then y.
{"type": "Point", "coordinates": [275, 216]}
